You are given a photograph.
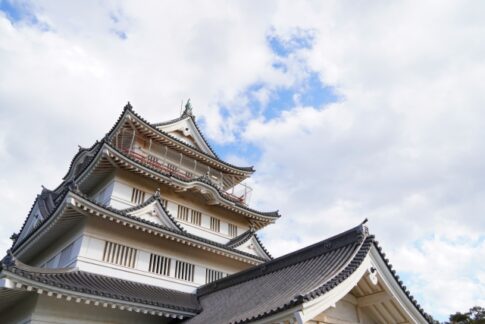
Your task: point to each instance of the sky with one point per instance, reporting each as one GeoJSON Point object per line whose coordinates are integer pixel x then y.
{"type": "Point", "coordinates": [347, 110]}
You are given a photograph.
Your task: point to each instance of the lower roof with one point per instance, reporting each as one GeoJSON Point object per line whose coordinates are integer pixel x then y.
{"type": "Point", "coordinates": [100, 287]}
{"type": "Point", "coordinates": [254, 294]}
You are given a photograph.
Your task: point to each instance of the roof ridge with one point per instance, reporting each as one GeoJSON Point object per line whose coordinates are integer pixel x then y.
{"type": "Point", "coordinates": [241, 239]}
{"type": "Point", "coordinates": [354, 235]}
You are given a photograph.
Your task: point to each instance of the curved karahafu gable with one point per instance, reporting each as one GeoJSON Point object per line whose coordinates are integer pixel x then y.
{"type": "Point", "coordinates": [314, 283]}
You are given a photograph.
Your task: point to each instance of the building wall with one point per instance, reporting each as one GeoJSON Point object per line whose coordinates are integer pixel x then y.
{"type": "Point", "coordinates": [98, 231]}
{"type": "Point", "coordinates": [118, 193]}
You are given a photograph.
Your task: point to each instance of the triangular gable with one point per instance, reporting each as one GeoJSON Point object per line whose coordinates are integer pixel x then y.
{"type": "Point", "coordinates": [185, 130]}
{"type": "Point", "coordinates": [153, 211]}
{"type": "Point", "coordinates": [253, 246]}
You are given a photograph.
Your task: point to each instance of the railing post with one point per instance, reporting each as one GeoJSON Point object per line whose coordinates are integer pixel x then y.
{"type": "Point", "coordinates": [132, 141]}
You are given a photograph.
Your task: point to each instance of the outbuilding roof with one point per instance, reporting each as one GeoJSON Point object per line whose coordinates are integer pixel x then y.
{"type": "Point", "coordinates": [287, 281]}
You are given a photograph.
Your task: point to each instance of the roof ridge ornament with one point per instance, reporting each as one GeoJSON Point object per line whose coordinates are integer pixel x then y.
{"type": "Point", "coordinates": [188, 110]}
{"type": "Point", "coordinates": [128, 106]}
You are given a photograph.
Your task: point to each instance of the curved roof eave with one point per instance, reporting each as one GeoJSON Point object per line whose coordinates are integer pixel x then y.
{"type": "Point", "coordinates": [269, 216]}
{"type": "Point", "coordinates": [128, 110]}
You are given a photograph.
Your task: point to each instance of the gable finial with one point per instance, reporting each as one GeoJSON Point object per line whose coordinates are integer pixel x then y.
{"type": "Point", "coordinates": [128, 106]}
{"type": "Point", "coordinates": [188, 110]}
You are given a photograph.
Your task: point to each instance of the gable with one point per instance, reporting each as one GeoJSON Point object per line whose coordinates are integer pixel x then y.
{"type": "Point", "coordinates": [252, 246]}
{"type": "Point", "coordinates": [186, 130]}
{"type": "Point", "coordinates": [155, 213]}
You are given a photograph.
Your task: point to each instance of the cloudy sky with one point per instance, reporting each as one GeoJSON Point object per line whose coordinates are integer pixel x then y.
{"type": "Point", "coordinates": [348, 110]}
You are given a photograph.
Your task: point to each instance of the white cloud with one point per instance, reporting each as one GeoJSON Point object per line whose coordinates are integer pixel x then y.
{"type": "Point", "coordinates": [403, 146]}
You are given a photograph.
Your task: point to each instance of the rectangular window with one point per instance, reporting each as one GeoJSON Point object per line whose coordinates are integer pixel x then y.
{"type": "Point", "coordinates": [184, 270]}
{"type": "Point", "coordinates": [183, 213]}
{"type": "Point", "coordinates": [232, 230]}
{"type": "Point", "coordinates": [196, 217]}
{"type": "Point", "coordinates": [215, 224]}
{"type": "Point", "coordinates": [213, 275]}
{"type": "Point", "coordinates": [137, 196]}
{"type": "Point", "coordinates": [119, 254]}
{"type": "Point", "coordinates": [159, 264]}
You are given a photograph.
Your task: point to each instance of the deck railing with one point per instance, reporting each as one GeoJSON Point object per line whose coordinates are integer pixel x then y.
{"type": "Point", "coordinates": [239, 193]}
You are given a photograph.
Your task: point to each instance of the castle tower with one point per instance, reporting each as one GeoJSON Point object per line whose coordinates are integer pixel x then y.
{"type": "Point", "coordinates": [149, 225]}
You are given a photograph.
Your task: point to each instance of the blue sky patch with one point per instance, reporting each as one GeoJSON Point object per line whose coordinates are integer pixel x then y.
{"type": "Point", "coordinates": [284, 46]}
{"type": "Point", "coordinates": [19, 12]}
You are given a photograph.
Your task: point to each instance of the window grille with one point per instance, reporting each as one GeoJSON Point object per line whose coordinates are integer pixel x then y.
{"type": "Point", "coordinates": [196, 217]}
{"type": "Point", "coordinates": [159, 264]}
{"type": "Point", "coordinates": [137, 196]}
{"type": "Point", "coordinates": [184, 270]}
{"type": "Point", "coordinates": [164, 203]}
{"type": "Point", "coordinates": [189, 174]}
{"type": "Point", "coordinates": [232, 230]}
{"type": "Point", "coordinates": [215, 224]}
{"type": "Point", "coordinates": [213, 275]}
{"type": "Point", "coordinates": [183, 213]}
{"type": "Point", "coordinates": [119, 254]}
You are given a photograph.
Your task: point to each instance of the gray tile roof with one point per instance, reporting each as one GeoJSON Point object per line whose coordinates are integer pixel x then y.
{"type": "Point", "coordinates": [287, 281]}
{"type": "Point", "coordinates": [283, 282]}
{"type": "Point", "coordinates": [99, 286]}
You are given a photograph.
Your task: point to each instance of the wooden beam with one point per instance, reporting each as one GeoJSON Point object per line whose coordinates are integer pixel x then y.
{"type": "Point", "coordinates": [376, 298]}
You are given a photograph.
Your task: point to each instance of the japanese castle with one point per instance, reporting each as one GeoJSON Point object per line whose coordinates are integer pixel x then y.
{"type": "Point", "coordinates": [149, 225]}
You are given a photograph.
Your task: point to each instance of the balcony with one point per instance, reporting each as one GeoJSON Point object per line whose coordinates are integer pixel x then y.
{"type": "Point", "coordinates": [240, 193]}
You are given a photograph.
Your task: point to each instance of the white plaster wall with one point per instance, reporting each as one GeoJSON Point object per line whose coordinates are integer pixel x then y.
{"type": "Point", "coordinates": [98, 231]}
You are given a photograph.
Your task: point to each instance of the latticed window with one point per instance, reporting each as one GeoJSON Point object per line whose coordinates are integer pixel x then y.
{"type": "Point", "coordinates": [213, 275]}
{"type": "Point", "coordinates": [184, 270]}
{"type": "Point", "coordinates": [183, 213]}
{"type": "Point", "coordinates": [196, 217]}
{"type": "Point", "coordinates": [137, 196]}
{"type": "Point", "coordinates": [215, 224]}
{"type": "Point", "coordinates": [232, 230]}
{"type": "Point", "coordinates": [119, 254]}
{"type": "Point", "coordinates": [159, 264]}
